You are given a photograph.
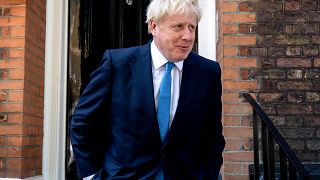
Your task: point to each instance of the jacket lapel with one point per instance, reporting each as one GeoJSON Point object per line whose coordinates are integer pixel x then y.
{"type": "Point", "coordinates": [190, 77]}
{"type": "Point", "coordinates": [141, 69]}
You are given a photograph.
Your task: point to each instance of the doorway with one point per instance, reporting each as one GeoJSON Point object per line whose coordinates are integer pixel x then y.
{"type": "Point", "coordinates": [95, 26]}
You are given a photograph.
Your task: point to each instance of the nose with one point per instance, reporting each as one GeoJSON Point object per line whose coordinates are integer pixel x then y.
{"type": "Point", "coordinates": [187, 34]}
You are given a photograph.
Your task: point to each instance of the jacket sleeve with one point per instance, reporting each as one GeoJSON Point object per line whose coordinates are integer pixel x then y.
{"type": "Point", "coordinates": [216, 138]}
{"type": "Point", "coordinates": [89, 124]}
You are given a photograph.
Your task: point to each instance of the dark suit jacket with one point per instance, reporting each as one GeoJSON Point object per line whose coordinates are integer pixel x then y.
{"type": "Point", "coordinates": [114, 129]}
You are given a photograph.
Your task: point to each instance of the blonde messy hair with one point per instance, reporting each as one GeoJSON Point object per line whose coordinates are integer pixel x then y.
{"type": "Point", "coordinates": [158, 9]}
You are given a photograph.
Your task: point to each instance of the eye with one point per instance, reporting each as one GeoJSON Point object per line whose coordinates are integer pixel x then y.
{"type": "Point", "coordinates": [192, 28]}
{"type": "Point", "coordinates": [178, 27]}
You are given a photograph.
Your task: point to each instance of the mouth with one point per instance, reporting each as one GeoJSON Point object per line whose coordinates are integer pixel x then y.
{"type": "Point", "coordinates": [184, 47]}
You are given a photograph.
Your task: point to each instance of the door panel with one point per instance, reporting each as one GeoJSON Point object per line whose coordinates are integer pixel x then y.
{"type": "Point", "coordinates": [95, 26]}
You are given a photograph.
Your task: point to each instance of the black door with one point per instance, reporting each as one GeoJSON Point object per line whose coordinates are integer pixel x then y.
{"type": "Point", "coordinates": [110, 24]}
{"type": "Point", "coordinates": [94, 26]}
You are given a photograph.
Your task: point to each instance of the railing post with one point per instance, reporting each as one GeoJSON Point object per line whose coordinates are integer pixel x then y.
{"type": "Point", "coordinates": [256, 145]}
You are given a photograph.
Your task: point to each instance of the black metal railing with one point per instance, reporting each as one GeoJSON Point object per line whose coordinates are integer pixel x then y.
{"type": "Point", "coordinates": [289, 163]}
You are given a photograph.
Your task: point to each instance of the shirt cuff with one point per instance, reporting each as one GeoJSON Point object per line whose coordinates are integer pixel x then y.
{"type": "Point", "coordinates": [88, 177]}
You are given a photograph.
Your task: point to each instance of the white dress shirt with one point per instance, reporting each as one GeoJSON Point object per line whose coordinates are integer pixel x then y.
{"type": "Point", "coordinates": [158, 68]}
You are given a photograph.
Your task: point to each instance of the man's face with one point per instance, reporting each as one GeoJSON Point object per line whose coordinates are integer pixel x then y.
{"type": "Point", "coordinates": [174, 35]}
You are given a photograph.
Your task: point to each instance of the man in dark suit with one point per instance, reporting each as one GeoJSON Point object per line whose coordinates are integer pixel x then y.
{"type": "Point", "coordinates": [126, 126]}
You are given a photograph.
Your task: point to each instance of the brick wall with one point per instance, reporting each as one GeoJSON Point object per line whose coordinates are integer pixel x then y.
{"type": "Point", "coordinates": [271, 49]}
{"type": "Point", "coordinates": [22, 34]}
{"type": "Point", "coordinates": [236, 113]}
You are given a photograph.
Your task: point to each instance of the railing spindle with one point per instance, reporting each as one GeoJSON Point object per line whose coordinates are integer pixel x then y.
{"type": "Point", "coordinates": [265, 154]}
{"type": "Point", "coordinates": [283, 165]}
{"type": "Point", "coordinates": [271, 155]}
{"type": "Point", "coordinates": [268, 136]}
{"type": "Point", "coordinates": [292, 172]}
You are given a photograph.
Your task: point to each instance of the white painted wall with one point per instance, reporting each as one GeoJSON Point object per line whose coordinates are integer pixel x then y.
{"type": "Point", "coordinates": [207, 29]}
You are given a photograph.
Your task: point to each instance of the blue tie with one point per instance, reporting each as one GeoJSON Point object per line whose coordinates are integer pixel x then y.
{"type": "Point", "coordinates": [164, 100]}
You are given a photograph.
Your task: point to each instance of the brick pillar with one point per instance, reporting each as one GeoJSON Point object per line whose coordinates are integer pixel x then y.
{"type": "Point", "coordinates": [22, 25]}
{"type": "Point", "coordinates": [238, 69]}
{"type": "Point", "coordinates": [271, 49]}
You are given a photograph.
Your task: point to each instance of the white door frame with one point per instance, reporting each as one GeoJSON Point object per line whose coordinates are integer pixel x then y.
{"type": "Point", "coordinates": [207, 34]}
{"type": "Point", "coordinates": [54, 141]}
{"type": "Point", "coordinates": [55, 114]}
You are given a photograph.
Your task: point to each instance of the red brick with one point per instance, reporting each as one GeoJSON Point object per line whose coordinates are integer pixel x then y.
{"type": "Point", "coordinates": [10, 152]}
{"type": "Point", "coordinates": [293, 62]}
{"type": "Point", "coordinates": [12, 21]}
{"type": "Point", "coordinates": [230, 73]}
{"type": "Point", "coordinates": [16, 53]}
{"type": "Point", "coordinates": [11, 64]}
{"type": "Point", "coordinates": [240, 62]}
{"type": "Point", "coordinates": [18, 10]}
{"type": "Point", "coordinates": [15, 118]}
{"type": "Point", "coordinates": [239, 40]}
{"type": "Point", "coordinates": [11, 85]}
{"type": "Point", "coordinates": [239, 18]}
{"type": "Point", "coordinates": [12, 2]}
{"type": "Point", "coordinates": [229, 7]}
{"type": "Point", "coordinates": [230, 51]}
{"type": "Point", "coordinates": [231, 97]}
{"type": "Point", "coordinates": [230, 29]}
{"type": "Point", "coordinates": [10, 129]}
{"type": "Point", "coordinates": [15, 96]}
{"type": "Point", "coordinates": [236, 177]}
{"type": "Point", "coordinates": [15, 141]}
{"type": "Point", "coordinates": [231, 120]}
{"type": "Point", "coordinates": [16, 74]}
{"type": "Point", "coordinates": [271, 97]}
{"type": "Point", "coordinates": [14, 164]}
{"type": "Point", "coordinates": [293, 85]}
{"type": "Point", "coordinates": [246, 120]}
{"type": "Point", "coordinates": [234, 168]}
{"type": "Point", "coordinates": [247, 85]}
{"type": "Point", "coordinates": [2, 142]}
{"type": "Point", "coordinates": [237, 132]}
{"type": "Point", "coordinates": [18, 31]}
{"type": "Point", "coordinates": [292, 40]}
{"type": "Point", "coordinates": [233, 145]}
{"type": "Point", "coordinates": [8, 107]}
{"type": "Point", "coordinates": [15, 43]}
{"type": "Point", "coordinates": [294, 109]}
{"type": "Point", "coordinates": [245, 7]}
{"type": "Point", "coordinates": [242, 156]}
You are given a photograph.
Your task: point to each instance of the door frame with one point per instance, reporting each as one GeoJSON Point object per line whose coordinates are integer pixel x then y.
{"type": "Point", "coordinates": [55, 98]}
{"type": "Point", "coordinates": [56, 51]}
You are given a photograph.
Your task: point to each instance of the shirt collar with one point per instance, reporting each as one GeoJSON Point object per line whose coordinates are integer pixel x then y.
{"type": "Point", "coordinates": [159, 60]}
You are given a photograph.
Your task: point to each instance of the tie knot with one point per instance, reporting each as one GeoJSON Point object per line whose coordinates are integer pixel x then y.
{"type": "Point", "coordinates": [169, 66]}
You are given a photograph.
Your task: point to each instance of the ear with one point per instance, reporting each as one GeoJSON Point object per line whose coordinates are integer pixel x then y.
{"type": "Point", "coordinates": [152, 27]}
